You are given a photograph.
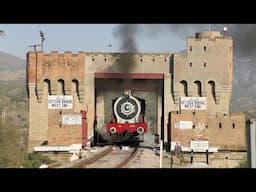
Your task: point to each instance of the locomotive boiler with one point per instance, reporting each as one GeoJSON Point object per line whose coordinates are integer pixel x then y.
{"type": "Point", "coordinates": [127, 120]}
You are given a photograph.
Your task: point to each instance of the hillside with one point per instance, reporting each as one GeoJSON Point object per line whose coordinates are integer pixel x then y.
{"type": "Point", "coordinates": [12, 67]}
{"type": "Point", "coordinates": [14, 130]}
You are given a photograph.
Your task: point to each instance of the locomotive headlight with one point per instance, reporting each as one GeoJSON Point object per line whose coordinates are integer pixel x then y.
{"type": "Point", "coordinates": [140, 130]}
{"type": "Point", "coordinates": [112, 130]}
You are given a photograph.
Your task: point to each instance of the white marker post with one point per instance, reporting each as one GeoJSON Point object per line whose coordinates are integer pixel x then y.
{"type": "Point", "coordinates": [161, 153]}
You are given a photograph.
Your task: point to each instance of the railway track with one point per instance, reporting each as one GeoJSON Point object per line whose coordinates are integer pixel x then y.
{"type": "Point", "coordinates": [111, 157]}
{"type": "Point", "coordinates": [94, 159]}
{"type": "Point", "coordinates": [130, 157]}
{"type": "Point", "coordinates": [115, 158]}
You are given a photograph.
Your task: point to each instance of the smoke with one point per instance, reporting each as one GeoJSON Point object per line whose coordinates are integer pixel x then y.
{"type": "Point", "coordinates": [149, 140]}
{"type": "Point", "coordinates": [244, 36]}
{"type": "Point", "coordinates": [103, 136]}
{"type": "Point", "coordinates": [126, 34]}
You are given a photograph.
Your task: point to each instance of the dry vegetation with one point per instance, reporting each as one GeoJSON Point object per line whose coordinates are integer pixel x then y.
{"type": "Point", "coordinates": [14, 132]}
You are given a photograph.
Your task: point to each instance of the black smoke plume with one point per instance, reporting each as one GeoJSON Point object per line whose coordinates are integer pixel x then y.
{"type": "Point", "coordinates": [126, 33]}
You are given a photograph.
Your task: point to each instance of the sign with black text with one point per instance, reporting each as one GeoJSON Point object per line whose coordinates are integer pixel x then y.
{"type": "Point", "coordinates": [200, 146]}
{"type": "Point", "coordinates": [72, 119]}
{"type": "Point", "coordinates": [60, 102]}
{"type": "Point", "coordinates": [193, 103]}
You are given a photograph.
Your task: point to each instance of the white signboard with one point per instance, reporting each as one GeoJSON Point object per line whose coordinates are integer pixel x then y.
{"type": "Point", "coordinates": [199, 145]}
{"type": "Point", "coordinates": [71, 119]}
{"type": "Point", "coordinates": [193, 103]}
{"type": "Point", "coordinates": [186, 124]}
{"type": "Point", "coordinates": [60, 102]}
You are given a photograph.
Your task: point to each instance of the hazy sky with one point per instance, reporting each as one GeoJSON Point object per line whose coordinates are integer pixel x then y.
{"type": "Point", "coordinates": [85, 37]}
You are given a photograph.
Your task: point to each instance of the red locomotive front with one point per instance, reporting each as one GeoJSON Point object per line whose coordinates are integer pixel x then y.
{"type": "Point", "coordinates": [127, 121]}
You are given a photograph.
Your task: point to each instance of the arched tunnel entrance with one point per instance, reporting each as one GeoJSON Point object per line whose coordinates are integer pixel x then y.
{"type": "Point", "coordinates": [109, 86]}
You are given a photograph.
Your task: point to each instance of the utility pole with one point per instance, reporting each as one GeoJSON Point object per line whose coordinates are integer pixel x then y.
{"type": "Point", "coordinates": [2, 33]}
{"type": "Point", "coordinates": [36, 45]}
{"type": "Point", "coordinates": [225, 29]}
{"type": "Point", "coordinates": [42, 39]}
{"type": "Point", "coordinates": [2, 118]}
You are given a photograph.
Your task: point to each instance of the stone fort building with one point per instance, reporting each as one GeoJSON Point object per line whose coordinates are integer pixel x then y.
{"type": "Point", "coordinates": [187, 94]}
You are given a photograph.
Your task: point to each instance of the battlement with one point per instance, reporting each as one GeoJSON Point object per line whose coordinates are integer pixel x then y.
{"type": "Point", "coordinates": [55, 68]}
{"type": "Point", "coordinates": [54, 53]}
{"type": "Point", "coordinates": [209, 34]}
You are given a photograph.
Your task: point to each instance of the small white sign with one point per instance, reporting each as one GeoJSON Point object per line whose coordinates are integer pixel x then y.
{"type": "Point", "coordinates": [60, 102]}
{"type": "Point", "coordinates": [186, 124]}
{"type": "Point", "coordinates": [183, 125]}
{"type": "Point", "coordinates": [193, 103]}
{"type": "Point", "coordinates": [200, 146]}
{"type": "Point", "coordinates": [72, 119]}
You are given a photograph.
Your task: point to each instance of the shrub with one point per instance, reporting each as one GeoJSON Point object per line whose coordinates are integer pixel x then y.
{"type": "Point", "coordinates": [243, 164]}
{"type": "Point", "coordinates": [34, 160]}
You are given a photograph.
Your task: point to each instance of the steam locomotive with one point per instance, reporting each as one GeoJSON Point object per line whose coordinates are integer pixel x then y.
{"type": "Point", "coordinates": [127, 121]}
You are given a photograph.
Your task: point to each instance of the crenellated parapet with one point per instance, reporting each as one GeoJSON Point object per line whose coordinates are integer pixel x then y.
{"type": "Point", "coordinates": [55, 69]}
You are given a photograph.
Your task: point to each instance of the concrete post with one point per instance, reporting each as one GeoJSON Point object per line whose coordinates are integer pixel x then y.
{"type": "Point", "coordinates": [191, 156]}
{"type": "Point", "coordinates": [161, 153]}
{"type": "Point", "coordinates": [207, 157]}
{"type": "Point", "coordinates": [252, 144]}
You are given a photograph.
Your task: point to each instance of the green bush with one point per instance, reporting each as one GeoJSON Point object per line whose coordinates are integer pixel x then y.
{"type": "Point", "coordinates": [243, 164]}
{"type": "Point", "coordinates": [34, 160]}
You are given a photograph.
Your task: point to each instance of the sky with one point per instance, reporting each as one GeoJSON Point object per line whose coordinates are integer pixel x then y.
{"type": "Point", "coordinates": [86, 37]}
